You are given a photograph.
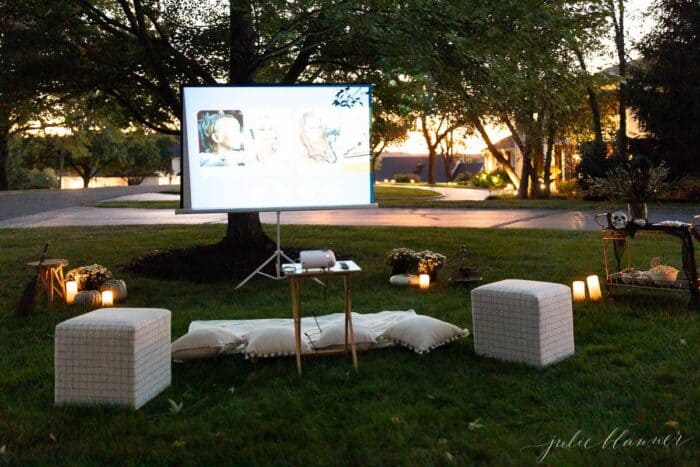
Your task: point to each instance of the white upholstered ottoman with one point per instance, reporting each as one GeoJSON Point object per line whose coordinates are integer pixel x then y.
{"type": "Point", "coordinates": [523, 321]}
{"type": "Point", "coordinates": [112, 356]}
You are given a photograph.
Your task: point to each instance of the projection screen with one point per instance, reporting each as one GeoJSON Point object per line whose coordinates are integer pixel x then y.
{"type": "Point", "coordinates": [276, 148]}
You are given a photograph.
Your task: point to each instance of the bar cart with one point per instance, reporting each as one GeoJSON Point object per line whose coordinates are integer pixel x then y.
{"type": "Point", "coordinates": [620, 240]}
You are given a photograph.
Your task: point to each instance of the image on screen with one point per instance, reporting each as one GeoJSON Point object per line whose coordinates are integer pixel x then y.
{"type": "Point", "coordinates": [220, 138]}
{"type": "Point", "coordinates": [276, 147]}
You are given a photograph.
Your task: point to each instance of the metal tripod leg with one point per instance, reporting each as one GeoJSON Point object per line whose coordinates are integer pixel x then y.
{"type": "Point", "coordinates": [278, 255]}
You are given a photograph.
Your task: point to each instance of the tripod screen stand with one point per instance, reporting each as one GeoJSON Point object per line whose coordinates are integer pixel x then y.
{"type": "Point", "coordinates": [276, 256]}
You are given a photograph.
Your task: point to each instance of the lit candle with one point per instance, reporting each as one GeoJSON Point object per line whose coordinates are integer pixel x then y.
{"type": "Point", "coordinates": [107, 298]}
{"type": "Point", "coordinates": [71, 291]}
{"type": "Point", "coordinates": [579, 291]}
{"type": "Point", "coordinates": [424, 281]}
{"type": "Point", "coordinates": [594, 288]}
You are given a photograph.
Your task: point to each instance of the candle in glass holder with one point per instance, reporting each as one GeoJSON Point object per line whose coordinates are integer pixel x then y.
{"type": "Point", "coordinates": [71, 291]}
{"type": "Point", "coordinates": [424, 281]}
{"type": "Point", "coordinates": [594, 288]}
{"type": "Point", "coordinates": [107, 298]}
{"type": "Point", "coordinates": [579, 291]}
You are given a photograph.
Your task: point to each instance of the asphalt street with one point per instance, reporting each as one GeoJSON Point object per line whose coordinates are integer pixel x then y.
{"type": "Point", "coordinates": [23, 203]}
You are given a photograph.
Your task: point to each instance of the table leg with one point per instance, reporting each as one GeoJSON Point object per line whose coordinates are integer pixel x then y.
{"type": "Point", "coordinates": [45, 279]}
{"type": "Point", "coordinates": [61, 283]}
{"type": "Point", "coordinates": [59, 286]}
{"type": "Point", "coordinates": [349, 332]}
{"type": "Point", "coordinates": [295, 285]}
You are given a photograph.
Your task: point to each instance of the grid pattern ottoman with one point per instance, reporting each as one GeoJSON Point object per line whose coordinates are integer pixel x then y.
{"type": "Point", "coordinates": [112, 356]}
{"type": "Point", "coordinates": [523, 321]}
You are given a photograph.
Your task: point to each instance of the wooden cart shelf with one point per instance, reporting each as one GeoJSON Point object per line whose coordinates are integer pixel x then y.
{"type": "Point", "coordinates": [679, 285]}
{"type": "Point", "coordinates": [620, 240]}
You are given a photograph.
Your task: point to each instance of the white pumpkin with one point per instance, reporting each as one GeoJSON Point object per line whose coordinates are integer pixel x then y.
{"type": "Point", "coordinates": [88, 298]}
{"type": "Point", "coordinates": [403, 279]}
{"type": "Point", "coordinates": [118, 288]}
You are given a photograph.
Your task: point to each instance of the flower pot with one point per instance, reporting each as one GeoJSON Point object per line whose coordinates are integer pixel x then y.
{"type": "Point", "coordinates": [638, 211]}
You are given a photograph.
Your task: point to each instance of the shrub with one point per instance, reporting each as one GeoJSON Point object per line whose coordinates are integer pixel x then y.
{"type": "Point", "coordinates": [687, 190]}
{"type": "Point", "coordinates": [637, 181]}
{"type": "Point", "coordinates": [494, 179]}
{"type": "Point", "coordinates": [32, 179]}
{"type": "Point", "coordinates": [594, 162]}
{"type": "Point", "coordinates": [464, 178]}
{"type": "Point", "coordinates": [568, 188]}
{"type": "Point", "coordinates": [406, 178]}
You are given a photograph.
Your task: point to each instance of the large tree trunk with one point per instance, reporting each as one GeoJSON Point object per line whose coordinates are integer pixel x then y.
{"type": "Point", "coordinates": [61, 161]}
{"type": "Point", "coordinates": [448, 156]}
{"type": "Point", "coordinates": [526, 152]}
{"type": "Point", "coordinates": [595, 116]}
{"type": "Point", "coordinates": [619, 24]}
{"type": "Point", "coordinates": [4, 156]}
{"type": "Point", "coordinates": [431, 149]}
{"type": "Point", "coordinates": [547, 172]}
{"type": "Point", "coordinates": [523, 189]}
{"type": "Point", "coordinates": [432, 154]}
{"type": "Point", "coordinates": [592, 101]}
{"type": "Point", "coordinates": [526, 169]}
{"type": "Point", "coordinates": [377, 151]}
{"type": "Point", "coordinates": [536, 156]}
{"type": "Point", "coordinates": [446, 162]}
{"type": "Point", "coordinates": [244, 231]}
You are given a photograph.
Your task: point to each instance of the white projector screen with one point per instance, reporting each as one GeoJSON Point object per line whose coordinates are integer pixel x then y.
{"type": "Point", "coordinates": [276, 148]}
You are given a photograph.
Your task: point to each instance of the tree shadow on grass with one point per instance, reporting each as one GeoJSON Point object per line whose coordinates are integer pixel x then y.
{"type": "Point", "coordinates": [204, 263]}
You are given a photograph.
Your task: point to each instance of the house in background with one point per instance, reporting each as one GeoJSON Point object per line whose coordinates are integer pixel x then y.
{"type": "Point", "coordinates": [563, 165]}
{"type": "Point", "coordinates": [392, 163]}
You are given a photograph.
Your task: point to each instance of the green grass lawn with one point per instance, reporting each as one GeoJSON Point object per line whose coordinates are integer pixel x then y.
{"type": "Point", "coordinates": [407, 196]}
{"type": "Point", "coordinates": [383, 194]}
{"type": "Point", "coordinates": [161, 204]}
{"type": "Point", "coordinates": [635, 368]}
{"type": "Point", "coordinates": [514, 203]}
{"type": "Point", "coordinates": [387, 193]}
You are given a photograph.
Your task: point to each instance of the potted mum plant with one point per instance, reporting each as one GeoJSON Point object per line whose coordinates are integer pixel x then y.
{"type": "Point", "coordinates": [430, 262]}
{"type": "Point", "coordinates": [401, 260]}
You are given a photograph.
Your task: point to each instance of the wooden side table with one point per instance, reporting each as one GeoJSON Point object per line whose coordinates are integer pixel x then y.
{"type": "Point", "coordinates": [296, 273]}
{"type": "Point", "coordinates": [51, 277]}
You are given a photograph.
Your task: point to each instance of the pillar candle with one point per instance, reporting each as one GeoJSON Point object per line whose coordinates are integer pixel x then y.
{"type": "Point", "coordinates": [579, 291]}
{"type": "Point", "coordinates": [71, 291]}
{"type": "Point", "coordinates": [107, 298]}
{"type": "Point", "coordinates": [424, 281]}
{"type": "Point", "coordinates": [594, 288]}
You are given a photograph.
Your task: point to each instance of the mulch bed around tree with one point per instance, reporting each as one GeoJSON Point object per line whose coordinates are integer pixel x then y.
{"type": "Point", "coordinates": [204, 263]}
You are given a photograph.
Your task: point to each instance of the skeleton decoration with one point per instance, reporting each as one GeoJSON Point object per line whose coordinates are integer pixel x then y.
{"type": "Point", "coordinates": [618, 219]}
{"type": "Point", "coordinates": [640, 222]}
